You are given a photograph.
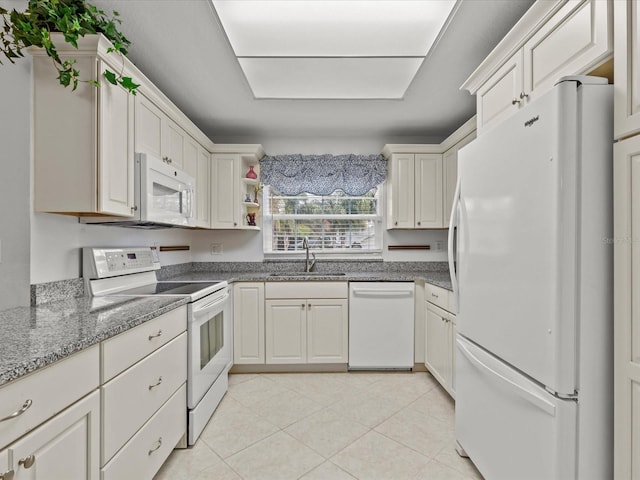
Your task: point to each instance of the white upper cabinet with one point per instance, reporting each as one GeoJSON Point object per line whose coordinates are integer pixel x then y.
{"type": "Point", "coordinates": [627, 69]}
{"type": "Point", "coordinates": [414, 191]}
{"type": "Point", "coordinates": [421, 180]}
{"type": "Point", "coordinates": [196, 164]}
{"type": "Point", "coordinates": [158, 135]}
{"type": "Point", "coordinates": [230, 186]}
{"type": "Point", "coordinates": [428, 190]}
{"type": "Point", "coordinates": [502, 94]}
{"type": "Point", "coordinates": [553, 39]}
{"type": "Point", "coordinates": [83, 157]}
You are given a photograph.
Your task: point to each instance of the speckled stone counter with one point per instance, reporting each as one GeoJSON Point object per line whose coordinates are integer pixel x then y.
{"type": "Point", "coordinates": [436, 273]}
{"type": "Point", "coordinates": [34, 337]}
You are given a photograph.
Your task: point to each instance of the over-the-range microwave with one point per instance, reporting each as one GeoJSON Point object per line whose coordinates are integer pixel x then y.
{"type": "Point", "coordinates": [164, 197]}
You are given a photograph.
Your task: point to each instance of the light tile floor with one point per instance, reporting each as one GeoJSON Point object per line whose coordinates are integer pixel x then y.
{"type": "Point", "coordinates": [326, 426]}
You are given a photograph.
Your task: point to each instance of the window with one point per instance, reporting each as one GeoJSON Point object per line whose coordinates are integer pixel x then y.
{"type": "Point", "coordinates": [336, 223]}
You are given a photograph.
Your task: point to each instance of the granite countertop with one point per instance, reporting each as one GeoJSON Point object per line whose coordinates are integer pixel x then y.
{"type": "Point", "coordinates": [439, 278]}
{"type": "Point", "coordinates": [37, 336]}
{"type": "Point", "coordinates": [34, 337]}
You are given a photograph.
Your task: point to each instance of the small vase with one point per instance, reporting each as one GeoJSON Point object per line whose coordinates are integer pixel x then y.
{"type": "Point", "coordinates": [251, 173]}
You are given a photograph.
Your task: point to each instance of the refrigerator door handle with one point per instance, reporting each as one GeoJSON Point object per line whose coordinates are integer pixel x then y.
{"type": "Point", "coordinates": [453, 223]}
{"type": "Point", "coordinates": [531, 397]}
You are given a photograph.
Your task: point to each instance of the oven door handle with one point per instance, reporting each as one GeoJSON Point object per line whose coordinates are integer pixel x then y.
{"type": "Point", "coordinates": [212, 305]}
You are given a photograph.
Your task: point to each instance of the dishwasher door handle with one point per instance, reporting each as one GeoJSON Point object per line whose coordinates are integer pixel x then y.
{"type": "Point", "coordinates": [372, 292]}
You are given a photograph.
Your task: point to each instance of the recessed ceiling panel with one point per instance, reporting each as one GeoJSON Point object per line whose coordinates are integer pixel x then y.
{"type": "Point", "coordinates": [332, 28]}
{"type": "Point", "coordinates": [330, 78]}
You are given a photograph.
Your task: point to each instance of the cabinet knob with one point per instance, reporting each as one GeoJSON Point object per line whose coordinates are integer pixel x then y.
{"type": "Point", "coordinates": [523, 95]}
{"type": "Point", "coordinates": [309, 306]}
{"type": "Point", "coordinates": [302, 306]}
{"type": "Point", "coordinates": [235, 224]}
{"type": "Point", "coordinates": [516, 101]}
{"type": "Point", "coordinates": [395, 223]}
{"type": "Point", "coordinates": [8, 475]}
{"type": "Point", "coordinates": [27, 462]}
{"type": "Point", "coordinates": [418, 223]}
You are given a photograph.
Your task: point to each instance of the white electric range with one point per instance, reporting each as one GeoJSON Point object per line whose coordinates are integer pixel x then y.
{"type": "Point", "coordinates": [131, 272]}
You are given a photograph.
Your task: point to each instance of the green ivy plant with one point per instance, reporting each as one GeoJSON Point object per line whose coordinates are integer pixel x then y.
{"type": "Point", "coordinates": [72, 18]}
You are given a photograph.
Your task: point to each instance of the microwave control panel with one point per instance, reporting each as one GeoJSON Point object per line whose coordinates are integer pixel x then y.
{"type": "Point", "coordinates": [110, 262]}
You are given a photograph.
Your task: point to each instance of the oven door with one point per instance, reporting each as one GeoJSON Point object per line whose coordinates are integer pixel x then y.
{"type": "Point", "coordinates": [210, 350]}
{"type": "Point", "coordinates": [167, 194]}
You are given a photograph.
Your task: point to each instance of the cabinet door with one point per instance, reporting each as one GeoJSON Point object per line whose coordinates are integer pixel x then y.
{"type": "Point", "coordinates": [428, 190]}
{"type": "Point", "coordinates": [401, 199]}
{"type": "Point", "coordinates": [286, 331]}
{"type": "Point", "coordinates": [576, 39]}
{"type": "Point", "coordinates": [627, 68]}
{"type": "Point", "coordinates": [248, 323]}
{"type": "Point", "coordinates": [327, 331]}
{"type": "Point", "coordinates": [452, 347]}
{"type": "Point", "coordinates": [173, 142]}
{"type": "Point", "coordinates": [202, 189]}
{"type": "Point", "coordinates": [224, 191]}
{"type": "Point", "coordinates": [148, 132]}
{"type": "Point", "coordinates": [67, 446]}
{"type": "Point", "coordinates": [499, 97]}
{"type": "Point", "coordinates": [115, 146]}
{"type": "Point", "coordinates": [437, 349]}
{"type": "Point", "coordinates": [6, 472]}
{"type": "Point", "coordinates": [627, 308]}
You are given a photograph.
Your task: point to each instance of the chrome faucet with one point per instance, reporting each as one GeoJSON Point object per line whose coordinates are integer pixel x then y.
{"type": "Point", "coordinates": [308, 266]}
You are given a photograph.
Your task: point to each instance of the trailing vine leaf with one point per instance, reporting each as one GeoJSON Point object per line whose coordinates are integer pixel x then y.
{"type": "Point", "coordinates": [111, 77]}
{"type": "Point", "coordinates": [72, 18]}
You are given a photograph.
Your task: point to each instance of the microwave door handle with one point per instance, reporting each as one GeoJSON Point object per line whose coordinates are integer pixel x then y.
{"type": "Point", "coordinates": [192, 197]}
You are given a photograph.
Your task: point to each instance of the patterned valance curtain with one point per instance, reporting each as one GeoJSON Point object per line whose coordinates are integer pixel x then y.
{"type": "Point", "coordinates": [323, 174]}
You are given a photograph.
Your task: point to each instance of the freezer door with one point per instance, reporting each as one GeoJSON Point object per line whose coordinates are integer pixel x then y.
{"type": "Point", "coordinates": [510, 427]}
{"type": "Point", "coordinates": [517, 240]}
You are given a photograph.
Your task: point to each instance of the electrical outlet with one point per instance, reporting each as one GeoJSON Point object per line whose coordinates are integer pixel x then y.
{"type": "Point", "coordinates": [438, 245]}
{"type": "Point", "coordinates": [216, 249]}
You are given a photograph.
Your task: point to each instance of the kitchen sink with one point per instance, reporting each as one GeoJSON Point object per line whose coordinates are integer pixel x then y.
{"type": "Point", "coordinates": [308, 274]}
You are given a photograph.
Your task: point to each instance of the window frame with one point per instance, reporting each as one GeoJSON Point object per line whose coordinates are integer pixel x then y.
{"type": "Point", "coordinates": [343, 253]}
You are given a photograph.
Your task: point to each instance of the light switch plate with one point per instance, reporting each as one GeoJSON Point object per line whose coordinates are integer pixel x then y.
{"type": "Point", "coordinates": [216, 249]}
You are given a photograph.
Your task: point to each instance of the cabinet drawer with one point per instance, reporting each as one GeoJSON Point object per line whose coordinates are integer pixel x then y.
{"type": "Point", "coordinates": [122, 351]}
{"type": "Point", "coordinates": [145, 453]}
{"type": "Point", "coordinates": [133, 396]}
{"type": "Point", "coordinates": [47, 391]}
{"type": "Point", "coordinates": [437, 295]}
{"type": "Point", "coordinates": [306, 290]}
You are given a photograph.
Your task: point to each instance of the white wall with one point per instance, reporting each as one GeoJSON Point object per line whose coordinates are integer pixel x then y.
{"type": "Point", "coordinates": [56, 242]}
{"type": "Point", "coordinates": [15, 157]}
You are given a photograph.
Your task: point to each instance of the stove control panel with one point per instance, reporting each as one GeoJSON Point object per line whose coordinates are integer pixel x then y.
{"type": "Point", "coordinates": [111, 262]}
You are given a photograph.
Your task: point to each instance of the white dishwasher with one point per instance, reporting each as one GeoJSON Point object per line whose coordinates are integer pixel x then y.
{"type": "Point", "coordinates": [381, 325]}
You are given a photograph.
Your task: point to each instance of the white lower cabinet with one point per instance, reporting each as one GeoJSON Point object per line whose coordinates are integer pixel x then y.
{"type": "Point", "coordinates": [6, 472]}
{"type": "Point", "coordinates": [306, 322]}
{"type": "Point", "coordinates": [248, 323]}
{"type": "Point", "coordinates": [65, 447]}
{"type": "Point", "coordinates": [440, 332]}
{"type": "Point", "coordinates": [145, 453]}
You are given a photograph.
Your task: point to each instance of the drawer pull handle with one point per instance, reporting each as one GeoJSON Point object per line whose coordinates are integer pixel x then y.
{"type": "Point", "coordinates": [158, 445]}
{"type": "Point", "coordinates": [28, 461]}
{"type": "Point", "coordinates": [8, 475]}
{"type": "Point", "coordinates": [17, 413]}
{"type": "Point", "coordinates": [155, 335]}
{"type": "Point", "coordinates": [156, 384]}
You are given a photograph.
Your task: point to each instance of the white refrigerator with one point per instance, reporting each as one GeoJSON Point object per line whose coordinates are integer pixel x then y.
{"type": "Point", "coordinates": [534, 368]}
